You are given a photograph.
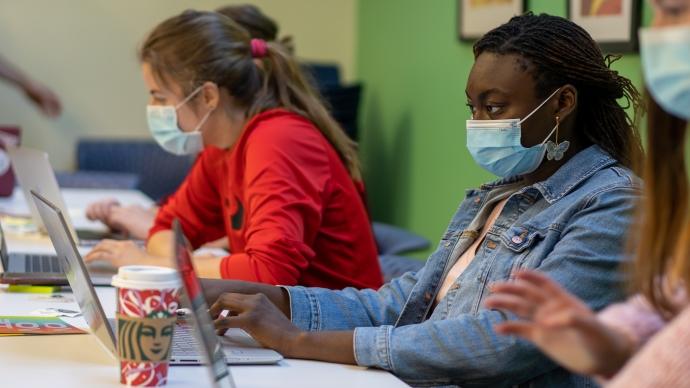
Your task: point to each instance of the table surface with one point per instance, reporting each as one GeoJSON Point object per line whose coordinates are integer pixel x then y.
{"type": "Point", "coordinates": [79, 360]}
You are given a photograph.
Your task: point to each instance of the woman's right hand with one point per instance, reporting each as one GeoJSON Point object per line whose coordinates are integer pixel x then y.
{"type": "Point", "coordinates": [559, 324]}
{"type": "Point", "coordinates": [100, 210]}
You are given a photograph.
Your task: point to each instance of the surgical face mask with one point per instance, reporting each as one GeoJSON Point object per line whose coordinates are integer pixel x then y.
{"type": "Point", "coordinates": [162, 121]}
{"type": "Point", "coordinates": [496, 145]}
{"type": "Point", "coordinates": [665, 56]}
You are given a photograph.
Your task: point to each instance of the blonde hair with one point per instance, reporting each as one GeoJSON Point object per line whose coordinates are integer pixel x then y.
{"type": "Point", "coordinates": [661, 241]}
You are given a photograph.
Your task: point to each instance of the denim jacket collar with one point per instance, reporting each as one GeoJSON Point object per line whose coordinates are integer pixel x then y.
{"type": "Point", "coordinates": [576, 170]}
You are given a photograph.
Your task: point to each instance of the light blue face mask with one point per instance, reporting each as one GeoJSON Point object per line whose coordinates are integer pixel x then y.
{"type": "Point", "coordinates": [665, 56]}
{"type": "Point", "coordinates": [162, 121]}
{"type": "Point", "coordinates": [496, 145]}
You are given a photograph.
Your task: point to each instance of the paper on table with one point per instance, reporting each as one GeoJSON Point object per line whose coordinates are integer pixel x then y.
{"type": "Point", "coordinates": [22, 325]}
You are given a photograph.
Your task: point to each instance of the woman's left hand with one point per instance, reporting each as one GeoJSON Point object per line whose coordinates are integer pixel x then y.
{"type": "Point", "coordinates": [119, 253]}
{"type": "Point", "coordinates": [256, 315]}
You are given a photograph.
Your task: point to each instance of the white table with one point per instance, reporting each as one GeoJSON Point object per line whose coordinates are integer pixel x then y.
{"type": "Point", "coordinates": [80, 361]}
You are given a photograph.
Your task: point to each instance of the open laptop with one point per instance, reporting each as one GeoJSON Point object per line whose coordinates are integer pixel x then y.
{"type": "Point", "coordinates": [194, 297]}
{"type": "Point", "coordinates": [34, 172]}
{"type": "Point", "coordinates": [42, 268]}
{"type": "Point", "coordinates": [28, 268]}
{"type": "Point", "coordinates": [238, 347]}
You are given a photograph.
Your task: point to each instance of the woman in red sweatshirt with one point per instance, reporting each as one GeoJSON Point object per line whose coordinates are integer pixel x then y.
{"type": "Point", "coordinates": [277, 175]}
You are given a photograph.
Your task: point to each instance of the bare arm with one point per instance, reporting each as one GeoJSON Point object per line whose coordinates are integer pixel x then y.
{"type": "Point", "coordinates": [44, 98]}
{"type": "Point", "coordinates": [160, 244]}
{"type": "Point", "coordinates": [12, 74]}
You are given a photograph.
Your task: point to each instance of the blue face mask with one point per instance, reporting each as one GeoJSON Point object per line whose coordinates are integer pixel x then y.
{"type": "Point", "coordinates": [665, 54]}
{"type": "Point", "coordinates": [162, 121]}
{"type": "Point", "coordinates": [496, 145]}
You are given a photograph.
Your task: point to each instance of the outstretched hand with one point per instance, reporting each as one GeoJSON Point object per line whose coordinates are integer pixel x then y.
{"type": "Point", "coordinates": [559, 324]}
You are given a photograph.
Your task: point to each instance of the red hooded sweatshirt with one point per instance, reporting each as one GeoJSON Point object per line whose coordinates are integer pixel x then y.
{"type": "Point", "coordinates": [286, 202]}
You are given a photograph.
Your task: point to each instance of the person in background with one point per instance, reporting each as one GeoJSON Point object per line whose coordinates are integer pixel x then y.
{"type": "Point", "coordinates": [135, 221]}
{"type": "Point", "coordinates": [546, 120]}
{"type": "Point", "coordinates": [278, 176]}
{"type": "Point", "coordinates": [44, 98]}
{"type": "Point", "coordinates": [644, 341]}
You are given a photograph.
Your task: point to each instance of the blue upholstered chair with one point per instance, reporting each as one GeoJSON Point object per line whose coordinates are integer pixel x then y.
{"type": "Point", "coordinates": [159, 172]}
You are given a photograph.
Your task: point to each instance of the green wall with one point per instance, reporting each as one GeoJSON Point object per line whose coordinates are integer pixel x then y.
{"type": "Point", "coordinates": [414, 71]}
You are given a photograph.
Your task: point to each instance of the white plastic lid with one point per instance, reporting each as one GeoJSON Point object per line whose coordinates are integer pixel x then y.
{"type": "Point", "coordinates": [146, 277]}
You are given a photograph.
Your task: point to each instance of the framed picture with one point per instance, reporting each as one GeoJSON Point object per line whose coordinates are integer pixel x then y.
{"type": "Point", "coordinates": [477, 17]}
{"type": "Point", "coordinates": [612, 23]}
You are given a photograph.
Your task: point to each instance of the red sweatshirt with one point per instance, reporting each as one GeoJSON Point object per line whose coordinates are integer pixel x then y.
{"type": "Point", "coordinates": [285, 200]}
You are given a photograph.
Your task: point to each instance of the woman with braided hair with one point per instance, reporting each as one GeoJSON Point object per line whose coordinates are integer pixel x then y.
{"type": "Point", "coordinates": [546, 121]}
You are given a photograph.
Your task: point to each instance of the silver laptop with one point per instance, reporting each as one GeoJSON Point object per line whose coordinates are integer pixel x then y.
{"type": "Point", "coordinates": [238, 347]}
{"type": "Point", "coordinates": [28, 268]}
{"type": "Point", "coordinates": [34, 172]}
{"type": "Point", "coordinates": [42, 268]}
{"type": "Point", "coordinates": [194, 298]}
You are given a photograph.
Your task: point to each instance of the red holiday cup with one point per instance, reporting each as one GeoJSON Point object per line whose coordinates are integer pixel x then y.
{"type": "Point", "coordinates": [147, 301]}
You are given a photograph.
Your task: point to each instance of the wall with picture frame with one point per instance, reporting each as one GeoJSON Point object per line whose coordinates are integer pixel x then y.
{"type": "Point", "coordinates": [414, 70]}
{"type": "Point", "coordinates": [614, 28]}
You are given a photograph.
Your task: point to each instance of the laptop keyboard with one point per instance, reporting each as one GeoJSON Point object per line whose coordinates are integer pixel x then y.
{"type": "Point", "coordinates": [41, 263]}
{"type": "Point", "coordinates": [184, 343]}
{"type": "Point", "coordinates": [185, 348]}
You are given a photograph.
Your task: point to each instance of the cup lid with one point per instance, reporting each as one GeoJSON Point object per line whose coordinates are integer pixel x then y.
{"type": "Point", "coordinates": [140, 277]}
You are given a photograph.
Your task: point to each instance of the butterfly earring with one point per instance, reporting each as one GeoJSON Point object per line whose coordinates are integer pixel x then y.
{"type": "Point", "coordinates": [555, 151]}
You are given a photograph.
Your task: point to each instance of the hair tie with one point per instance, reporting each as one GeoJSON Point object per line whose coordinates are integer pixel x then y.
{"type": "Point", "coordinates": [258, 48]}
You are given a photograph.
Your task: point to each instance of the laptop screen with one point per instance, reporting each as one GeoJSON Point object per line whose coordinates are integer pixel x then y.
{"type": "Point", "coordinates": [210, 346]}
{"type": "Point", "coordinates": [75, 271]}
{"type": "Point", "coordinates": [35, 173]}
{"type": "Point", "coordinates": [4, 256]}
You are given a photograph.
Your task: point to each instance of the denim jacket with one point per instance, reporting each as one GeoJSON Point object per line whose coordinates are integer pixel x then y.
{"type": "Point", "coordinates": [571, 227]}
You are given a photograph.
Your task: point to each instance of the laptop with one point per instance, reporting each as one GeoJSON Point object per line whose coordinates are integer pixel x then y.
{"type": "Point", "coordinates": [42, 268]}
{"type": "Point", "coordinates": [194, 297]}
{"type": "Point", "coordinates": [34, 172]}
{"type": "Point", "coordinates": [28, 268]}
{"type": "Point", "coordinates": [238, 347]}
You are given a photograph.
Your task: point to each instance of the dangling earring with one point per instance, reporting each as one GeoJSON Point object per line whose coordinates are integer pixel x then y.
{"type": "Point", "coordinates": [555, 151]}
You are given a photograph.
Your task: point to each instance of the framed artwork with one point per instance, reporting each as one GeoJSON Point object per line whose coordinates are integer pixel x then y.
{"type": "Point", "coordinates": [612, 23]}
{"type": "Point", "coordinates": [477, 17]}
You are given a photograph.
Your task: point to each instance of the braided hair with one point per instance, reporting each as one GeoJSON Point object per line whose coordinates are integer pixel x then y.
{"type": "Point", "coordinates": [561, 52]}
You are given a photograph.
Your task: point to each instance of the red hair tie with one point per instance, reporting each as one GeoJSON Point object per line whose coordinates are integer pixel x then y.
{"type": "Point", "coordinates": [258, 48]}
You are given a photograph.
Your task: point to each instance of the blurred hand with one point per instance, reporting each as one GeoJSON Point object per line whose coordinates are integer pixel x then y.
{"type": "Point", "coordinates": [100, 210]}
{"type": "Point", "coordinates": [44, 98]}
{"type": "Point", "coordinates": [134, 220]}
{"type": "Point", "coordinates": [119, 253]}
{"type": "Point", "coordinates": [559, 324]}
